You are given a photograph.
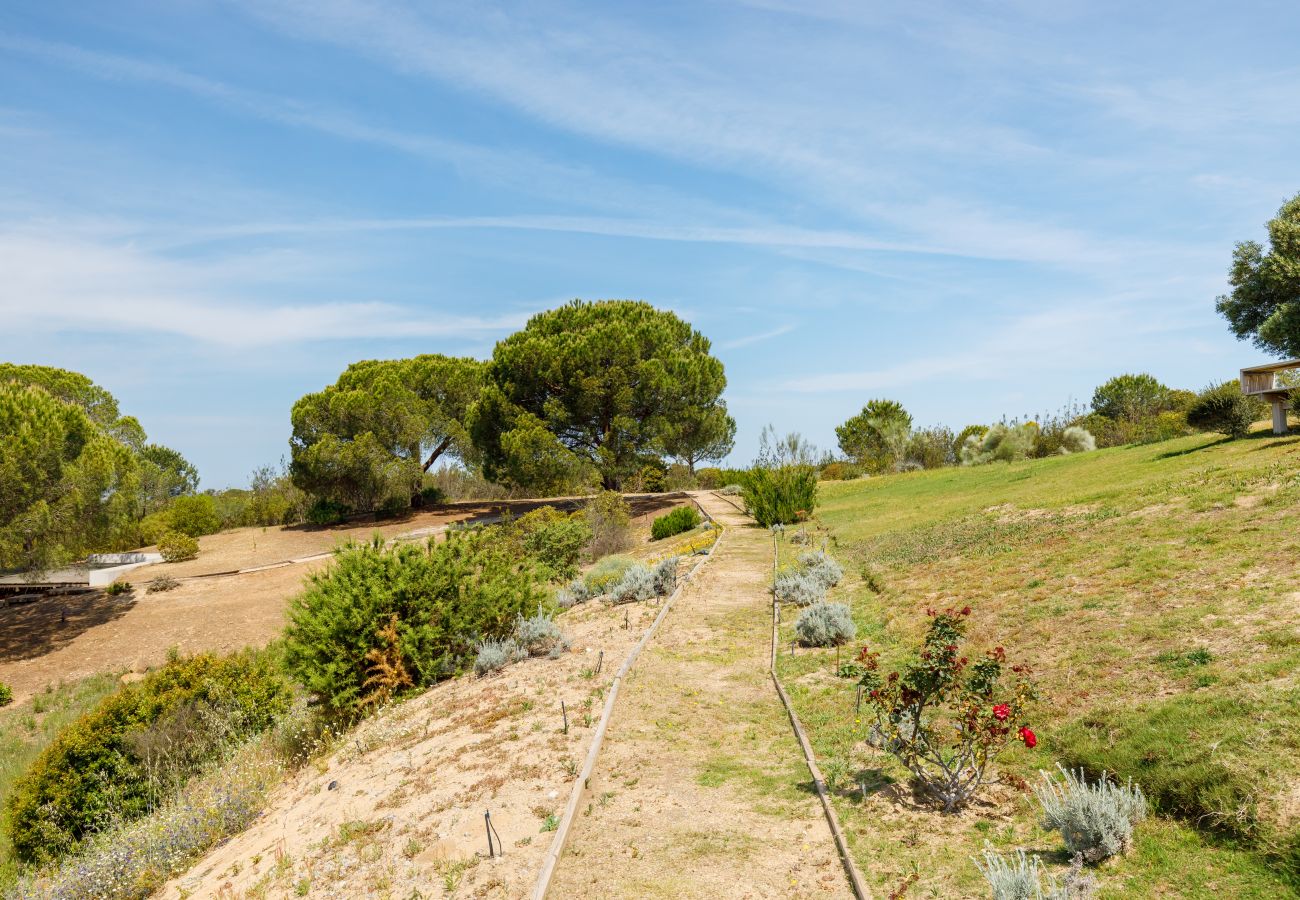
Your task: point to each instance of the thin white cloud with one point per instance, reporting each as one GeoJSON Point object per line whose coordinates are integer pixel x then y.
{"type": "Point", "coordinates": [745, 341]}
{"type": "Point", "coordinates": [1022, 347]}
{"type": "Point", "coordinates": [63, 284]}
{"type": "Point", "coordinates": [857, 151]}
{"type": "Point", "coordinates": [516, 169]}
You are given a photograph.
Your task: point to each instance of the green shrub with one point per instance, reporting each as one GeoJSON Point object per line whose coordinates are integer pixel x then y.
{"type": "Point", "coordinates": [610, 520]}
{"type": "Point", "coordinates": [554, 541]}
{"type": "Point", "coordinates": [1000, 443]}
{"type": "Point", "coordinates": [324, 512]}
{"type": "Point", "coordinates": [780, 495]}
{"type": "Point", "coordinates": [118, 588]}
{"type": "Point", "coordinates": [193, 514]}
{"type": "Point", "coordinates": [1225, 409]}
{"type": "Point", "coordinates": [683, 518]}
{"type": "Point", "coordinates": [140, 745]}
{"type": "Point", "coordinates": [931, 448]}
{"type": "Point", "coordinates": [606, 573]}
{"type": "Point", "coordinates": [432, 495]}
{"type": "Point", "coordinates": [444, 597]}
{"type": "Point", "coordinates": [680, 478]}
{"type": "Point", "coordinates": [840, 471]}
{"type": "Point", "coordinates": [709, 478]}
{"type": "Point", "coordinates": [153, 526]}
{"type": "Point", "coordinates": [6, 694]}
{"type": "Point", "coordinates": [176, 546]}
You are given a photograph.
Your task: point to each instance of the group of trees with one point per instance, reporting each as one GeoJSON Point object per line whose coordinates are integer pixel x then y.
{"type": "Point", "coordinates": [76, 476]}
{"type": "Point", "coordinates": [591, 393]}
{"type": "Point", "coordinates": [1127, 409]}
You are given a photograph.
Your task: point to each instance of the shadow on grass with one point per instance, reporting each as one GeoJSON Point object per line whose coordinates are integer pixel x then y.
{"type": "Point", "coordinates": [1171, 454]}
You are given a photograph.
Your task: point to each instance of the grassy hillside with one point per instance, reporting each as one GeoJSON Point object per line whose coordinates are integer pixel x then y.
{"type": "Point", "coordinates": [1153, 589]}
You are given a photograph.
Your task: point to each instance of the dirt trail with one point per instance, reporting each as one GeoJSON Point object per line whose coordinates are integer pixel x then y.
{"type": "Point", "coordinates": [701, 789]}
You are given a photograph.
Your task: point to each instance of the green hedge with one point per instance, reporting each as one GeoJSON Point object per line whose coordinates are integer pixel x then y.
{"type": "Point", "coordinates": [780, 495]}
{"type": "Point", "coordinates": [683, 518]}
{"type": "Point", "coordinates": [441, 598]}
{"type": "Point", "coordinates": [115, 762]}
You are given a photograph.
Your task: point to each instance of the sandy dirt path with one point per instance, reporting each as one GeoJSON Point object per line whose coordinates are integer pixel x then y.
{"type": "Point", "coordinates": [701, 789]}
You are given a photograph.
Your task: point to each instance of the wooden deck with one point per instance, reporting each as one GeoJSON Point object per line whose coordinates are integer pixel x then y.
{"type": "Point", "coordinates": [1274, 382]}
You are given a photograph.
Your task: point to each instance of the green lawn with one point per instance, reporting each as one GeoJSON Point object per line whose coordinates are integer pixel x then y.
{"type": "Point", "coordinates": [1153, 589]}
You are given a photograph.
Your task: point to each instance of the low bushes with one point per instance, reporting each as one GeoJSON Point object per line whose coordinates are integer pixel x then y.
{"type": "Point", "coordinates": [1095, 820]}
{"type": "Point", "coordinates": [324, 512]}
{"type": "Point", "coordinates": [443, 596]}
{"type": "Point", "coordinates": [637, 583]}
{"type": "Point", "coordinates": [536, 635]}
{"type": "Point", "coordinates": [177, 547]}
{"type": "Point", "coordinates": [610, 520]}
{"type": "Point", "coordinates": [664, 576]}
{"type": "Point", "coordinates": [1019, 879]}
{"type": "Point", "coordinates": [1225, 409]}
{"type": "Point", "coordinates": [133, 861]}
{"type": "Point", "coordinates": [780, 494]}
{"type": "Point", "coordinates": [794, 586]}
{"type": "Point", "coordinates": [683, 518]}
{"type": "Point", "coordinates": [6, 694]}
{"type": "Point", "coordinates": [552, 540]}
{"type": "Point", "coordinates": [819, 566]}
{"type": "Point", "coordinates": [808, 582]}
{"type": "Point", "coordinates": [132, 752]}
{"type": "Point", "coordinates": [161, 584]}
{"type": "Point", "coordinates": [492, 655]}
{"type": "Point", "coordinates": [825, 625]}
{"type": "Point", "coordinates": [606, 573]}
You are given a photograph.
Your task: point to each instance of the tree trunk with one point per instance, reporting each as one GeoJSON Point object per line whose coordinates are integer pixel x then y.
{"type": "Point", "coordinates": [437, 451]}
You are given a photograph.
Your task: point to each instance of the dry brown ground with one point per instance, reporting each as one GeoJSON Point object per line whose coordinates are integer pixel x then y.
{"type": "Point", "coordinates": [411, 786]}
{"type": "Point", "coordinates": [701, 789]}
{"type": "Point", "coordinates": [65, 638]}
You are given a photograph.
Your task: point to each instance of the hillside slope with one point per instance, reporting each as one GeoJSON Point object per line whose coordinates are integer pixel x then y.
{"type": "Point", "coordinates": [1153, 591]}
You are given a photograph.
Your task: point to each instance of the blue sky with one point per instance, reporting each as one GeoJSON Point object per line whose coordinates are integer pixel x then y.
{"type": "Point", "coordinates": [977, 208]}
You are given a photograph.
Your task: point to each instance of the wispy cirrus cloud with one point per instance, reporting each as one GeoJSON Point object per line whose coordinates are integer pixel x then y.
{"type": "Point", "coordinates": [747, 340]}
{"type": "Point", "coordinates": [68, 284]}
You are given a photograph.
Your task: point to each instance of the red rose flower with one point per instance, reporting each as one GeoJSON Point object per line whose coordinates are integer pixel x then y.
{"type": "Point", "coordinates": [1001, 711]}
{"type": "Point", "coordinates": [1027, 735]}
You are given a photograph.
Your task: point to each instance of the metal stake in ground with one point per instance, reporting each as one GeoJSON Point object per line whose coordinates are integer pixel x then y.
{"type": "Point", "coordinates": [565, 712]}
{"type": "Point", "coordinates": [491, 830]}
{"type": "Point", "coordinates": [600, 661]}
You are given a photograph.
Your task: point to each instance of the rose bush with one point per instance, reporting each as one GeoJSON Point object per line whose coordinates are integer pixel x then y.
{"type": "Point", "coordinates": [945, 717]}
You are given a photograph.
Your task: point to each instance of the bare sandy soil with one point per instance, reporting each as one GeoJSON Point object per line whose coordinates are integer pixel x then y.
{"type": "Point", "coordinates": [701, 789]}
{"type": "Point", "coordinates": [65, 638]}
{"type": "Point", "coordinates": [398, 810]}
